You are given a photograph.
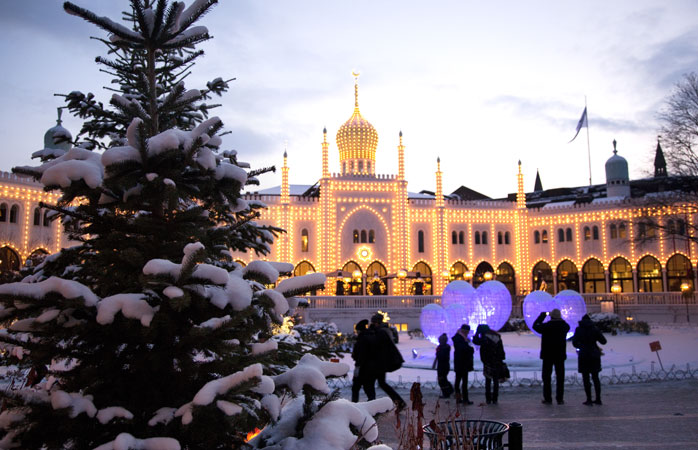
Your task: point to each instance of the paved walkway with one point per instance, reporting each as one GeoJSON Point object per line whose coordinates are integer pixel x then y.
{"type": "Point", "coordinates": [634, 416]}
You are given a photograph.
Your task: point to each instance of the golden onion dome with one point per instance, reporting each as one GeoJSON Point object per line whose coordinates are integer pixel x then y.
{"type": "Point", "coordinates": [357, 138]}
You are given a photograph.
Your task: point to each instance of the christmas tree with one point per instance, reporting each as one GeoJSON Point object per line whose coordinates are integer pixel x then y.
{"type": "Point", "coordinates": [145, 334]}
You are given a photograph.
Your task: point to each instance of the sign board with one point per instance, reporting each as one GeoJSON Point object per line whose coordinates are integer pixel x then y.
{"type": "Point", "coordinates": [655, 346]}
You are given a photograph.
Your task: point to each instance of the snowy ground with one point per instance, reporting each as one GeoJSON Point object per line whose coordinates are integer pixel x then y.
{"type": "Point", "coordinates": [622, 354]}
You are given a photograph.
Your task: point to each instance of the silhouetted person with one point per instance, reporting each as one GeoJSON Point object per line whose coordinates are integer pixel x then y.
{"type": "Point", "coordinates": [442, 363]}
{"type": "Point", "coordinates": [379, 341]}
{"type": "Point", "coordinates": [589, 356]}
{"type": "Point", "coordinates": [492, 356]}
{"type": "Point", "coordinates": [553, 352]}
{"type": "Point", "coordinates": [462, 362]}
{"type": "Point", "coordinates": [359, 354]}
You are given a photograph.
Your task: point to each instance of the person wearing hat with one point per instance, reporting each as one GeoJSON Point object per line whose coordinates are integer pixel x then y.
{"type": "Point", "coordinates": [492, 356]}
{"type": "Point", "coordinates": [358, 354]}
{"type": "Point", "coordinates": [589, 356]}
{"type": "Point", "coordinates": [553, 352]}
{"type": "Point", "coordinates": [379, 349]}
{"type": "Point", "coordinates": [462, 362]}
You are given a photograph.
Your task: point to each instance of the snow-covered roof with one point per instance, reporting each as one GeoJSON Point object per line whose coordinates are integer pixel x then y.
{"type": "Point", "coordinates": [294, 189]}
{"type": "Point", "coordinates": [420, 195]}
{"type": "Point", "coordinates": [558, 204]}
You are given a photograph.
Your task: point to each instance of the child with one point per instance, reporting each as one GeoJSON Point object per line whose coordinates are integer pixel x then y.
{"type": "Point", "coordinates": [442, 363]}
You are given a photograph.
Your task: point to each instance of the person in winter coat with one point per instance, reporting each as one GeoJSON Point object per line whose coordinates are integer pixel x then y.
{"type": "Point", "coordinates": [358, 354]}
{"type": "Point", "coordinates": [462, 362]}
{"type": "Point", "coordinates": [553, 352]}
{"type": "Point", "coordinates": [589, 356]}
{"type": "Point", "coordinates": [379, 349]}
{"type": "Point", "coordinates": [492, 356]}
{"type": "Point", "coordinates": [442, 364]}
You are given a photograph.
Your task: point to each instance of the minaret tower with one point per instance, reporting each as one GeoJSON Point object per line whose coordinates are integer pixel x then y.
{"type": "Point", "coordinates": [285, 193]}
{"type": "Point", "coordinates": [357, 141]}
{"type": "Point", "coordinates": [439, 185]}
{"type": "Point", "coordinates": [438, 281]}
{"type": "Point", "coordinates": [521, 234]}
{"type": "Point", "coordinates": [325, 159]}
{"type": "Point", "coordinates": [400, 160]}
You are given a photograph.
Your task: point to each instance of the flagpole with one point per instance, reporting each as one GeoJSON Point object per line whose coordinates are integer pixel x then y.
{"type": "Point", "coordinates": [588, 146]}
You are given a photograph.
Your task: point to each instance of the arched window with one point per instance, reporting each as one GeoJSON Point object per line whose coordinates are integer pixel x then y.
{"type": "Point", "coordinates": [46, 219]}
{"type": "Point", "coordinates": [536, 237]}
{"type": "Point", "coordinates": [506, 238]}
{"type": "Point", "coordinates": [371, 236]}
{"type": "Point", "coordinates": [680, 229]}
{"type": "Point", "coordinates": [678, 271]}
{"type": "Point", "coordinates": [621, 231]}
{"type": "Point", "coordinates": [9, 260]}
{"type": "Point", "coordinates": [361, 166]}
{"type": "Point", "coordinates": [649, 275]}
{"type": "Point", "coordinates": [457, 271]}
{"type": "Point", "coordinates": [241, 262]}
{"type": "Point", "coordinates": [344, 167]}
{"type": "Point", "coordinates": [670, 227]}
{"type": "Point", "coordinates": [461, 237]}
{"type": "Point", "coordinates": [567, 276]}
{"type": "Point", "coordinates": [568, 234]}
{"type": "Point", "coordinates": [560, 235]}
{"type": "Point", "coordinates": [543, 277]}
{"type": "Point", "coordinates": [454, 237]}
{"type": "Point", "coordinates": [363, 236]}
{"type": "Point", "coordinates": [480, 271]}
{"type": "Point", "coordinates": [621, 273]}
{"type": "Point", "coordinates": [14, 212]}
{"type": "Point", "coordinates": [587, 233]}
{"type": "Point", "coordinates": [642, 229]}
{"type": "Point", "coordinates": [375, 278]}
{"type": "Point", "coordinates": [3, 212]}
{"type": "Point", "coordinates": [500, 238]}
{"type": "Point", "coordinates": [544, 237]}
{"type": "Point", "coordinates": [477, 238]}
{"type": "Point", "coordinates": [368, 165]}
{"type": "Point", "coordinates": [420, 241]}
{"type": "Point", "coordinates": [596, 233]}
{"type": "Point", "coordinates": [353, 285]}
{"type": "Point", "coordinates": [303, 268]}
{"type": "Point", "coordinates": [593, 277]}
{"type": "Point", "coordinates": [356, 236]}
{"type": "Point", "coordinates": [37, 217]}
{"type": "Point", "coordinates": [614, 231]}
{"type": "Point", "coordinates": [505, 274]}
{"type": "Point", "coordinates": [484, 238]}
{"type": "Point", "coordinates": [304, 240]}
{"type": "Point", "coordinates": [422, 283]}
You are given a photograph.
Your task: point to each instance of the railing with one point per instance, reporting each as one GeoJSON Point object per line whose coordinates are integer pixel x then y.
{"type": "Point", "coordinates": [419, 301]}
{"type": "Point", "coordinates": [371, 301]}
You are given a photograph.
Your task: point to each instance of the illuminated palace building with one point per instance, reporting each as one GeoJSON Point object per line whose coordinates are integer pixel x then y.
{"type": "Point", "coordinates": [371, 236]}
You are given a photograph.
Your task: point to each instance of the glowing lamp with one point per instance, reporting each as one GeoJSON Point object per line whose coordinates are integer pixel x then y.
{"type": "Point", "coordinates": [445, 274]}
{"type": "Point", "coordinates": [468, 275]}
{"type": "Point", "coordinates": [616, 289]}
{"type": "Point", "coordinates": [433, 321]}
{"type": "Point", "coordinates": [402, 274]}
{"type": "Point", "coordinates": [457, 292]}
{"type": "Point", "coordinates": [356, 274]}
{"type": "Point", "coordinates": [491, 305]}
{"type": "Point", "coordinates": [487, 276]}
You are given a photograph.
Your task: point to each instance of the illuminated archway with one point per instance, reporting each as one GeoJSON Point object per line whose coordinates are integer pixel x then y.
{"type": "Point", "coordinates": [422, 285]}
{"type": "Point", "coordinates": [621, 273]}
{"type": "Point", "coordinates": [678, 271]}
{"type": "Point", "coordinates": [481, 270]}
{"type": "Point", "coordinates": [649, 275]}
{"type": "Point", "coordinates": [302, 268]}
{"type": "Point", "coordinates": [543, 277]}
{"type": "Point", "coordinates": [567, 276]}
{"type": "Point", "coordinates": [457, 271]}
{"type": "Point", "coordinates": [9, 260]}
{"type": "Point", "coordinates": [353, 285]}
{"type": "Point", "coordinates": [375, 278]}
{"type": "Point", "coordinates": [593, 277]}
{"type": "Point", "coordinates": [505, 274]}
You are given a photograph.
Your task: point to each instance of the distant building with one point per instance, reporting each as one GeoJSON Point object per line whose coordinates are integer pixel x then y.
{"type": "Point", "coordinates": [364, 229]}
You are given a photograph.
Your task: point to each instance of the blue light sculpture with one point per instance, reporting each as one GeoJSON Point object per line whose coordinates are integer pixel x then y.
{"type": "Point", "coordinates": [433, 321]}
{"type": "Point", "coordinates": [491, 305]}
{"type": "Point", "coordinates": [572, 307]}
{"type": "Point", "coordinates": [457, 292]}
{"type": "Point", "coordinates": [535, 303]}
{"type": "Point", "coordinates": [456, 315]}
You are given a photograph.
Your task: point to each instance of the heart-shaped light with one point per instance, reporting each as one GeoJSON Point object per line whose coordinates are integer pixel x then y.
{"type": "Point", "coordinates": [570, 303]}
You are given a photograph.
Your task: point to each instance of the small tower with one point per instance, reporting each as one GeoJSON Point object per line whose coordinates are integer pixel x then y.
{"type": "Point", "coordinates": [57, 137]}
{"type": "Point", "coordinates": [325, 160]}
{"type": "Point", "coordinates": [520, 193]}
{"type": "Point", "coordinates": [617, 179]}
{"type": "Point", "coordinates": [357, 141]}
{"type": "Point", "coordinates": [285, 193]}
{"type": "Point", "coordinates": [659, 162]}
{"type": "Point", "coordinates": [439, 185]}
{"type": "Point", "coordinates": [538, 186]}
{"type": "Point", "coordinates": [400, 159]}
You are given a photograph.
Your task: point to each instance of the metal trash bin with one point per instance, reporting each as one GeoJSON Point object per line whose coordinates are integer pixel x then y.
{"type": "Point", "coordinates": [466, 434]}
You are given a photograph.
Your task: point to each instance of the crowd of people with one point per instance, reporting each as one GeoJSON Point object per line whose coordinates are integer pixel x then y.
{"type": "Point", "coordinates": [375, 354]}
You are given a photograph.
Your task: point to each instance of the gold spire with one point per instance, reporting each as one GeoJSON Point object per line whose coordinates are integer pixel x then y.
{"type": "Point", "coordinates": [356, 89]}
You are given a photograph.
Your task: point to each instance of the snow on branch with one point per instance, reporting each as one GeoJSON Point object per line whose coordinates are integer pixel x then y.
{"type": "Point", "coordinates": [125, 441]}
{"type": "Point", "coordinates": [300, 285]}
{"type": "Point", "coordinates": [132, 306]}
{"type": "Point", "coordinates": [260, 271]}
{"type": "Point", "coordinates": [77, 403]}
{"type": "Point", "coordinates": [75, 165]}
{"type": "Point", "coordinates": [67, 288]}
{"type": "Point", "coordinates": [310, 371]}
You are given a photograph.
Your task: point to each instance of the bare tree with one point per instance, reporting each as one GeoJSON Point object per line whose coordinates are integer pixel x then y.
{"type": "Point", "coordinates": [679, 127]}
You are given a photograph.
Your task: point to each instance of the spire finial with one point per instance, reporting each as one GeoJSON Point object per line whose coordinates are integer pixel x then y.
{"type": "Point", "coordinates": [356, 74]}
{"type": "Point", "coordinates": [614, 147]}
{"type": "Point", "coordinates": [60, 113]}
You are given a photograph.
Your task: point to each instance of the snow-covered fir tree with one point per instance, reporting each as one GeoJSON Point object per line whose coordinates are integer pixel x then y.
{"type": "Point", "coordinates": [145, 334]}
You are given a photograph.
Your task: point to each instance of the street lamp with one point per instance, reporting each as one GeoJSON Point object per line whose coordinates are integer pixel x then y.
{"type": "Point", "coordinates": [401, 275]}
{"type": "Point", "coordinates": [686, 293]}
{"type": "Point", "coordinates": [468, 275]}
{"type": "Point", "coordinates": [616, 289]}
{"type": "Point", "coordinates": [487, 276]}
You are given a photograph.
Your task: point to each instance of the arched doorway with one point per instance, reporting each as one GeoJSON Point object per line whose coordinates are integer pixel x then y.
{"type": "Point", "coordinates": [678, 271]}
{"type": "Point", "coordinates": [457, 271]}
{"type": "Point", "coordinates": [302, 268]}
{"type": "Point", "coordinates": [353, 284]}
{"type": "Point", "coordinates": [543, 277]}
{"type": "Point", "coordinates": [479, 276]}
{"type": "Point", "coordinates": [36, 257]}
{"type": "Point", "coordinates": [567, 276]}
{"type": "Point", "coordinates": [593, 277]}
{"type": "Point", "coordinates": [422, 283]}
{"type": "Point", "coordinates": [649, 275]}
{"type": "Point", "coordinates": [9, 260]}
{"type": "Point", "coordinates": [375, 278]}
{"type": "Point", "coordinates": [505, 274]}
{"type": "Point", "coordinates": [621, 273]}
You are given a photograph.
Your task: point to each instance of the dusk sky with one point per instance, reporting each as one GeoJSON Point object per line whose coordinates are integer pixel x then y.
{"type": "Point", "coordinates": [480, 84]}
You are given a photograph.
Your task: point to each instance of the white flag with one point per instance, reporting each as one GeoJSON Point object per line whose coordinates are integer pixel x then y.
{"type": "Point", "coordinates": [583, 122]}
